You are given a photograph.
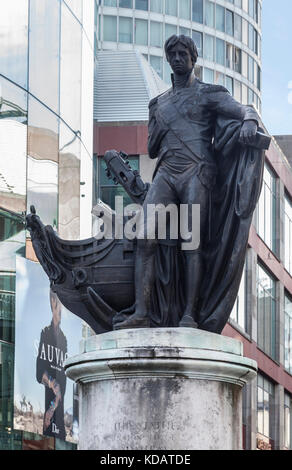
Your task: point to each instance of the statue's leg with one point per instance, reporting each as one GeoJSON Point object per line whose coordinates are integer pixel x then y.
{"type": "Point", "coordinates": [160, 192]}
{"type": "Point", "coordinates": [194, 192]}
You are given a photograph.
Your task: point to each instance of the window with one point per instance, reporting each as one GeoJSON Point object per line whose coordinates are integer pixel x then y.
{"type": "Point", "coordinates": [106, 190]}
{"type": "Point", "coordinates": [266, 312]}
{"type": "Point", "coordinates": [44, 49]}
{"type": "Point", "coordinates": [141, 32]}
{"type": "Point", "coordinates": [244, 31]}
{"type": "Point", "coordinates": [209, 14]}
{"type": "Point", "coordinates": [110, 28]}
{"type": "Point", "coordinates": [157, 6]}
{"type": "Point", "coordinates": [244, 64]}
{"type": "Point", "coordinates": [266, 210]}
{"type": "Point", "coordinates": [288, 333]}
{"type": "Point", "coordinates": [251, 8]}
{"type": "Point", "coordinates": [156, 63]}
{"type": "Point", "coordinates": [229, 23]}
{"type": "Point", "coordinates": [238, 311]}
{"type": "Point", "coordinates": [155, 34]}
{"type": "Point", "coordinates": [220, 18]}
{"type": "Point", "coordinates": [243, 94]}
{"type": "Point", "coordinates": [237, 27]}
{"type": "Point", "coordinates": [209, 48]}
{"type": "Point", "coordinates": [237, 90]}
{"type": "Point", "coordinates": [6, 384]}
{"type": "Point", "coordinates": [229, 84]}
{"type": "Point", "coordinates": [251, 37]}
{"type": "Point", "coordinates": [220, 51]}
{"type": "Point", "coordinates": [197, 13]}
{"type": "Point", "coordinates": [185, 9]}
{"type": "Point", "coordinates": [265, 413]}
{"type": "Point", "coordinates": [126, 3]}
{"type": "Point", "coordinates": [125, 30]}
{"type": "Point", "coordinates": [184, 31]}
{"type": "Point", "coordinates": [238, 3]}
{"type": "Point", "coordinates": [198, 40]}
{"type": "Point", "coordinates": [287, 421]}
{"type": "Point", "coordinates": [141, 5]}
{"type": "Point", "coordinates": [219, 78]}
{"type": "Point", "coordinates": [288, 234]}
{"type": "Point", "coordinates": [14, 41]}
{"type": "Point", "coordinates": [7, 306]}
{"type": "Point", "coordinates": [166, 72]}
{"type": "Point", "coordinates": [171, 7]}
{"type": "Point", "coordinates": [259, 78]}
{"type": "Point", "coordinates": [237, 59]}
{"type": "Point", "coordinates": [208, 75]}
{"type": "Point", "coordinates": [170, 30]}
{"type": "Point", "coordinates": [229, 55]}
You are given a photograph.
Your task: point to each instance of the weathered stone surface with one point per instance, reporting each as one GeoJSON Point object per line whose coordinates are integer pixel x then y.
{"type": "Point", "coordinates": [160, 389]}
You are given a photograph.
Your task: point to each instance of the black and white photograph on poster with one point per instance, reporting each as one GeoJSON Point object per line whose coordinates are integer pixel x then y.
{"type": "Point", "coordinates": [45, 400]}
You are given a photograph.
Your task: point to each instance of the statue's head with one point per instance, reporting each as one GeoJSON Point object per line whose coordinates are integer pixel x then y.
{"type": "Point", "coordinates": [181, 53]}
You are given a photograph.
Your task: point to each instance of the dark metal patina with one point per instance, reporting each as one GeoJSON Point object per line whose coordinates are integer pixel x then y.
{"type": "Point", "coordinates": [210, 151]}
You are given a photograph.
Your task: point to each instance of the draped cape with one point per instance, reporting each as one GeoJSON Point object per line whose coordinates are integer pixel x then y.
{"type": "Point", "coordinates": [233, 200]}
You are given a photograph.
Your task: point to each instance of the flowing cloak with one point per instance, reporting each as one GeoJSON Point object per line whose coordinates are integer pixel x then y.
{"type": "Point", "coordinates": [232, 203]}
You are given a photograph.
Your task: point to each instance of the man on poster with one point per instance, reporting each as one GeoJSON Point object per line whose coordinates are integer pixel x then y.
{"type": "Point", "coordinates": [50, 372]}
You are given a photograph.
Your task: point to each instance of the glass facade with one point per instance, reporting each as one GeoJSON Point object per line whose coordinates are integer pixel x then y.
{"type": "Point", "coordinates": [287, 421]}
{"type": "Point", "coordinates": [288, 234]}
{"type": "Point", "coordinates": [265, 412]}
{"type": "Point", "coordinates": [266, 312]}
{"type": "Point", "coordinates": [266, 210]}
{"type": "Point", "coordinates": [46, 71]}
{"type": "Point", "coordinates": [238, 314]}
{"type": "Point", "coordinates": [228, 38]}
{"type": "Point", "coordinates": [288, 333]}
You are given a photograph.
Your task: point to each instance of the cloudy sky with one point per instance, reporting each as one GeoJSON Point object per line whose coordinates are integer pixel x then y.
{"type": "Point", "coordinates": [277, 66]}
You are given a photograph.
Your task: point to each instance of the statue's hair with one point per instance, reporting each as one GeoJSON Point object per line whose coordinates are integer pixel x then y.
{"type": "Point", "coordinates": [186, 41]}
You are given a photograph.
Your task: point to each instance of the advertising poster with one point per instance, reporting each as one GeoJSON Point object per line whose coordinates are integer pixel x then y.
{"type": "Point", "coordinates": [45, 400]}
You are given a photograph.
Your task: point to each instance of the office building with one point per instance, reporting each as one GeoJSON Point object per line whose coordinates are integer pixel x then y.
{"type": "Point", "coordinates": [227, 34]}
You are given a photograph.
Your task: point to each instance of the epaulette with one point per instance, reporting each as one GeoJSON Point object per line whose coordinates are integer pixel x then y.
{"type": "Point", "coordinates": [154, 100]}
{"type": "Point", "coordinates": [209, 88]}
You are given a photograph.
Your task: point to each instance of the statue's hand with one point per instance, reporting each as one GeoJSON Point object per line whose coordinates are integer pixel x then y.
{"type": "Point", "coordinates": [248, 132]}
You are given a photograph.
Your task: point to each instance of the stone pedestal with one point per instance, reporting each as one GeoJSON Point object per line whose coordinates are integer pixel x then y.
{"type": "Point", "coordinates": [160, 389]}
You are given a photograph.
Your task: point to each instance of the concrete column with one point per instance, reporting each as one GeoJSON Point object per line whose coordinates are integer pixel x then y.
{"type": "Point", "coordinates": [160, 389]}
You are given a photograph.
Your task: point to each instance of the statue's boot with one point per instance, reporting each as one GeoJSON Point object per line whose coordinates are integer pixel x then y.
{"type": "Point", "coordinates": [137, 320]}
{"type": "Point", "coordinates": [188, 322]}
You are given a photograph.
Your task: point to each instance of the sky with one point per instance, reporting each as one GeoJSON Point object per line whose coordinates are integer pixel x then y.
{"type": "Point", "coordinates": [277, 66]}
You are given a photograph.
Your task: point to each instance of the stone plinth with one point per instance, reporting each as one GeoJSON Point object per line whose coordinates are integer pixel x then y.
{"type": "Point", "coordinates": [160, 389]}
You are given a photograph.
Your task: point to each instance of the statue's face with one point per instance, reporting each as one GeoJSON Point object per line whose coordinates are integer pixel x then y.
{"type": "Point", "coordinates": [180, 59]}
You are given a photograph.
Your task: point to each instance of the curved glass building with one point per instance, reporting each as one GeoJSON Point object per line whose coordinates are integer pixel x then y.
{"type": "Point", "coordinates": [227, 34]}
{"type": "Point", "coordinates": [46, 103]}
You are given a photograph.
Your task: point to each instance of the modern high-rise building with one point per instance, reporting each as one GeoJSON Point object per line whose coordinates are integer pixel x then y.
{"type": "Point", "coordinates": [227, 34]}
{"type": "Point", "coordinates": [46, 106]}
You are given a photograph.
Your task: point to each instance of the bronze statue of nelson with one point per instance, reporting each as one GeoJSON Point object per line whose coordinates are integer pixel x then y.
{"type": "Point", "coordinates": [210, 152]}
{"type": "Point", "coordinates": [182, 125]}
